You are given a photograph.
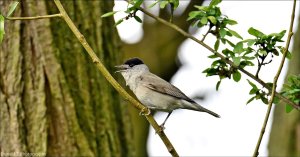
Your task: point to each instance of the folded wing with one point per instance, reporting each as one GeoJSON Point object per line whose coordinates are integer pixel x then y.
{"type": "Point", "coordinates": [157, 84]}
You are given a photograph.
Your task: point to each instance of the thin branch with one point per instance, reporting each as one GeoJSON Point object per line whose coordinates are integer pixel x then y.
{"type": "Point", "coordinates": [34, 17]}
{"type": "Point", "coordinates": [112, 81]}
{"type": "Point", "coordinates": [256, 151]}
{"type": "Point", "coordinates": [258, 67]}
{"type": "Point", "coordinates": [187, 35]}
{"type": "Point", "coordinates": [204, 36]}
{"type": "Point", "coordinates": [172, 12]}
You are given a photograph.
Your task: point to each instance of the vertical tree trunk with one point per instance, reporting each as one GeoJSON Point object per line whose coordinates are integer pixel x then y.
{"type": "Point", "coordinates": [53, 99]}
{"type": "Point", "coordinates": [285, 132]}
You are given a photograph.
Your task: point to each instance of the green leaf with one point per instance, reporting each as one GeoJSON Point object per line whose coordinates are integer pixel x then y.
{"type": "Point", "coordinates": [276, 100]}
{"type": "Point", "coordinates": [137, 3]}
{"type": "Point", "coordinates": [214, 2]}
{"type": "Point", "coordinates": [218, 85]}
{"type": "Point", "coordinates": [263, 52]}
{"type": "Point", "coordinates": [223, 41]}
{"type": "Point", "coordinates": [288, 55]}
{"type": "Point", "coordinates": [237, 76]}
{"type": "Point", "coordinates": [248, 58]}
{"type": "Point", "coordinates": [12, 8]}
{"type": "Point", "coordinates": [213, 56]}
{"type": "Point", "coordinates": [138, 19]}
{"type": "Point", "coordinates": [253, 91]}
{"type": "Point", "coordinates": [153, 4]}
{"type": "Point", "coordinates": [288, 108]}
{"type": "Point", "coordinates": [217, 44]}
{"type": "Point", "coordinates": [234, 33]}
{"type": "Point", "coordinates": [175, 3]}
{"type": "Point", "coordinates": [250, 42]}
{"type": "Point", "coordinates": [163, 4]}
{"type": "Point", "coordinates": [251, 99]}
{"type": "Point", "coordinates": [278, 36]}
{"type": "Point", "coordinates": [204, 20]}
{"type": "Point", "coordinates": [109, 14]}
{"type": "Point", "coordinates": [252, 84]}
{"type": "Point", "coordinates": [227, 52]}
{"type": "Point", "coordinates": [264, 99]}
{"type": "Point", "coordinates": [193, 14]}
{"type": "Point", "coordinates": [204, 8]}
{"type": "Point", "coordinates": [229, 21]}
{"type": "Point", "coordinates": [119, 22]}
{"type": "Point", "coordinates": [236, 60]}
{"type": "Point", "coordinates": [222, 32]}
{"type": "Point", "coordinates": [230, 43]}
{"type": "Point", "coordinates": [246, 63]}
{"type": "Point", "coordinates": [210, 71]}
{"type": "Point", "coordinates": [255, 32]}
{"type": "Point", "coordinates": [238, 47]}
{"type": "Point", "coordinates": [212, 19]}
{"type": "Point", "coordinates": [2, 31]}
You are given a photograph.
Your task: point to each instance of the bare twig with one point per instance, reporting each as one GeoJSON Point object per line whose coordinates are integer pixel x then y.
{"type": "Point", "coordinates": [33, 18]}
{"type": "Point", "coordinates": [219, 55]}
{"type": "Point", "coordinates": [208, 31]}
{"type": "Point", "coordinates": [256, 151]}
{"type": "Point", "coordinates": [112, 81]}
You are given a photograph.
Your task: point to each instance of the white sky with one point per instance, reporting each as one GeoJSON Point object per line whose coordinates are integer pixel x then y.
{"type": "Point", "coordinates": [236, 132]}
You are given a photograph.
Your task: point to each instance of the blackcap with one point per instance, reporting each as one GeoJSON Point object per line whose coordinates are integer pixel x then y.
{"type": "Point", "coordinates": [154, 92]}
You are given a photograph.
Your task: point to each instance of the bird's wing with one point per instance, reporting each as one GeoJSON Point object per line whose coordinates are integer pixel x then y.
{"type": "Point", "coordinates": [157, 84]}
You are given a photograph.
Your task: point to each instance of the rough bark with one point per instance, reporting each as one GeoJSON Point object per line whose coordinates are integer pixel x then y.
{"type": "Point", "coordinates": [53, 99]}
{"type": "Point", "coordinates": [285, 132]}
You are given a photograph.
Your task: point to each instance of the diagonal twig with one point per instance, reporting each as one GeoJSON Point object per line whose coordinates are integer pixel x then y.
{"type": "Point", "coordinates": [34, 17]}
{"type": "Point", "coordinates": [112, 81]}
{"type": "Point", "coordinates": [187, 35]}
{"type": "Point", "coordinates": [256, 151]}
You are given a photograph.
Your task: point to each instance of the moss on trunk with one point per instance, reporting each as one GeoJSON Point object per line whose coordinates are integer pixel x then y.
{"type": "Point", "coordinates": [53, 99]}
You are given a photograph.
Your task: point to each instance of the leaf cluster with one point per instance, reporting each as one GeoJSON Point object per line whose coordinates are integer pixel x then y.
{"type": "Point", "coordinates": [212, 16]}
{"type": "Point", "coordinates": [265, 45]}
{"type": "Point", "coordinates": [131, 12]}
{"type": "Point", "coordinates": [292, 91]}
{"type": "Point", "coordinates": [163, 3]}
{"type": "Point", "coordinates": [259, 94]}
{"type": "Point", "coordinates": [243, 53]}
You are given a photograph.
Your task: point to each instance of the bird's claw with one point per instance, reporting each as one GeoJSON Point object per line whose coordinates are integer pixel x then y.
{"type": "Point", "coordinates": [161, 128]}
{"type": "Point", "coordinates": [145, 112]}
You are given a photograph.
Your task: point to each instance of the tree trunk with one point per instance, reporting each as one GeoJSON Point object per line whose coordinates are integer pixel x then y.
{"type": "Point", "coordinates": [53, 99]}
{"type": "Point", "coordinates": [285, 132]}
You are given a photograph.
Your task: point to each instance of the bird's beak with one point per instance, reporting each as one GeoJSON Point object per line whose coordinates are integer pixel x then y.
{"type": "Point", "coordinates": [121, 68]}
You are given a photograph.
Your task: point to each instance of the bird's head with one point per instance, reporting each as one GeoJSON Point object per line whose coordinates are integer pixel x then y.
{"type": "Point", "coordinates": [132, 67]}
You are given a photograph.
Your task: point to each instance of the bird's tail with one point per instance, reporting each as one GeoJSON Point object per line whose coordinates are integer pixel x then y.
{"type": "Point", "coordinates": [197, 107]}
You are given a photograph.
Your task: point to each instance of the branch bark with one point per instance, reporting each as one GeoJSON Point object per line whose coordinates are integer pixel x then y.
{"type": "Point", "coordinates": [33, 18]}
{"type": "Point", "coordinates": [219, 55]}
{"type": "Point", "coordinates": [270, 104]}
{"type": "Point", "coordinates": [112, 81]}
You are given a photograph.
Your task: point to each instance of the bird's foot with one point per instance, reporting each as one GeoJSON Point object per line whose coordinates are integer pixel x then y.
{"type": "Point", "coordinates": [145, 112]}
{"type": "Point", "coordinates": [161, 128]}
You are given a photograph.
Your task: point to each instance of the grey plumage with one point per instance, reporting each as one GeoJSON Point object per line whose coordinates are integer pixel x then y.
{"type": "Point", "coordinates": [154, 92]}
{"type": "Point", "coordinates": [164, 87]}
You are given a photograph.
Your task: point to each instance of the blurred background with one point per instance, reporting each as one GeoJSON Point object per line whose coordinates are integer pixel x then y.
{"type": "Point", "coordinates": [54, 101]}
{"type": "Point", "coordinates": [182, 61]}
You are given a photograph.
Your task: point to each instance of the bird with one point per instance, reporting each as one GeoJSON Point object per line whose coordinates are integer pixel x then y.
{"type": "Point", "coordinates": [154, 92]}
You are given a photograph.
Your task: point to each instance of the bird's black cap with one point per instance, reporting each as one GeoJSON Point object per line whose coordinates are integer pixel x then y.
{"type": "Point", "coordinates": [134, 61]}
